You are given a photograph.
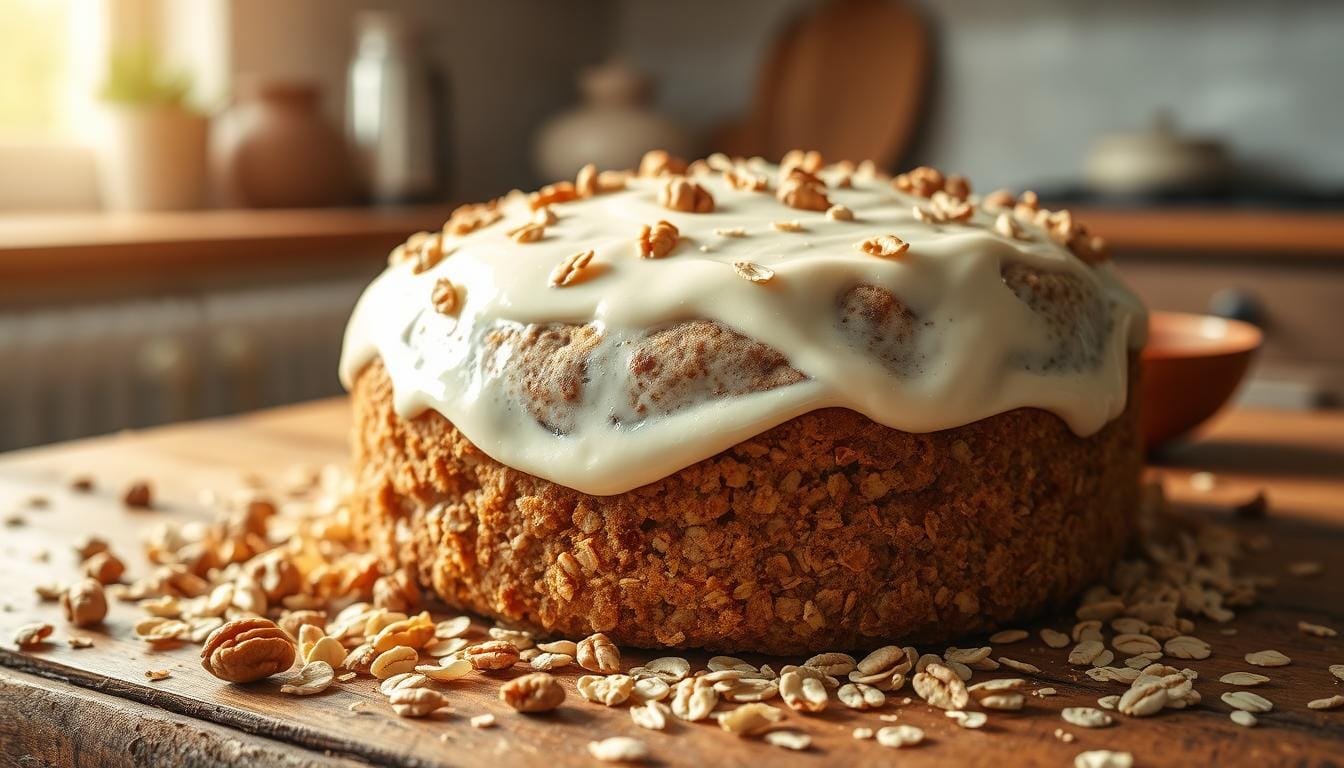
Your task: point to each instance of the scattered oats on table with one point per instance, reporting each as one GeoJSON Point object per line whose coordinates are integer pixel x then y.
{"type": "Point", "coordinates": [618, 749]}
{"type": "Point", "coordinates": [1333, 702]}
{"type": "Point", "coordinates": [483, 721]}
{"type": "Point", "coordinates": [1103, 758]}
{"type": "Point", "coordinates": [1270, 658]}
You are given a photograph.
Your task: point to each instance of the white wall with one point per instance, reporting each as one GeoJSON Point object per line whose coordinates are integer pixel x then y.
{"type": "Point", "coordinates": [1022, 87]}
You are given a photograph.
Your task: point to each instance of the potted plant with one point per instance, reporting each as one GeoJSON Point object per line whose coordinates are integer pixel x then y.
{"type": "Point", "coordinates": [154, 154]}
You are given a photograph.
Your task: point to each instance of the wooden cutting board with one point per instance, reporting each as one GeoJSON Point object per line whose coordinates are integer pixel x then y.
{"type": "Point", "coordinates": [60, 706]}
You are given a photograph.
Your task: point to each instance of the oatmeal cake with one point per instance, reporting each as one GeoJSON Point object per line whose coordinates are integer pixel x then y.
{"type": "Point", "coordinates": [749, 407]}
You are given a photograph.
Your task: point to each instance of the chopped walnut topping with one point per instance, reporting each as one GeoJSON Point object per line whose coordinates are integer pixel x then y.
{"type": "Point", "coordinates": [586, 182]}
{"type": "Point", "coordinates": [753, 272]}
{"type": "Point", "coordinates": [681, 194]}
{"type": "Point", "coordinates": [527, 233]}
{"type": "Point", "coordinates": [950, 208]}
{"type": "Point", "coordinates": [745, 180]}
{"type": "Point", "coordinates": [559, 192]}
{"type": "Point", "coordinates": [788, 226]}
{"type": "Point", "coordinates": [999, 200]}
{"type": "Point", "coordinates": [544, 216]}
{"type": "Point", "coordinates": [571, 269]}
{"type": "Point", "coordinates": [139, 495]}
{"type": "Point", "coordinates": [957, 187]}
{"type": "Point", "coordinates": [886, 246]}
{"type": "Point", "coordinates": [657, 241]}
{"type": "Point", "coordinates": [611, 181]}
{"type": "Point", "coordinates": [839, 213]}
{"type": "Point", "coordinates": [921, 182]}
{"type": "Point", "coordinates": [1073, 235]}
{"type": "Point", "coordinates": [731, 232]}
{"type": "Point", "coordinates": [803, 191]}
{"type": "Point", "coordinates": [429, 253]}
{"type": "Point", "coordinates": [1007, 226]}
{"type": "Point", "coordinates": [810, 162]}
{"type": "Point", "coordinates": [468, 218]}
{"type": "Point", "coordinates": [444, 297]}
{"type": "Point", "coordinates": [1027, 206]}
{"type": "Point", "coordinates": [657, 162]}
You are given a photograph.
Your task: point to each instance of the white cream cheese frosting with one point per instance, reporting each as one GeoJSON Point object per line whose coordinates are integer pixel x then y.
{"type": "Point", "coordinates": [979, 347]}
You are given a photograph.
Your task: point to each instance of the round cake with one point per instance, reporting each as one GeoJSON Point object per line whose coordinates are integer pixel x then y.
{"type": "Point", "coordinates": [749, 407]}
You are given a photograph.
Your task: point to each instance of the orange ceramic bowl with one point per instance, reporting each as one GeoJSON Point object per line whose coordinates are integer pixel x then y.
{"type": "Point", "coordinates": [1191, 366]}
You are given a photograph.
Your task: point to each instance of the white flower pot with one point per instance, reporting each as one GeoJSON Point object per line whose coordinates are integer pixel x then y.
{"type": "Point", "coordinates": [154, 159]}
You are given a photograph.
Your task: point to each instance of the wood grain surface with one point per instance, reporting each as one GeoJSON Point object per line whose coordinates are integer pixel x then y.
{"type": "Point", "coordinates": [62, 706]}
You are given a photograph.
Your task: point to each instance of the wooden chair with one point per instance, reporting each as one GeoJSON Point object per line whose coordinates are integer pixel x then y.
{"type": "Point", "coordinates": [847, 78]}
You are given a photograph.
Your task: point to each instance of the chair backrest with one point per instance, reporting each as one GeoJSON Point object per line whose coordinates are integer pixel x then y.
{"type": "Point", "coordinates": [848, 79]}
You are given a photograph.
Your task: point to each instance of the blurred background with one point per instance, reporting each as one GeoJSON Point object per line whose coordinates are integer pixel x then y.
{"type": "Point", "coordinates": [193, 192]}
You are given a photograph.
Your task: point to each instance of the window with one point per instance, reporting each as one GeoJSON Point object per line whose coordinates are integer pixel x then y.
{"type": "Point", "coordinates": [50, 52]}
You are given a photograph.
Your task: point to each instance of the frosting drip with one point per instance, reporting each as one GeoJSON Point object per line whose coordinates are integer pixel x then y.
{"type": "Point", "coordinates": [594, 385]}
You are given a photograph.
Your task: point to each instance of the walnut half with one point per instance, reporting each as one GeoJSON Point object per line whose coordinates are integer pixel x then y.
{"type": "Point", "coordinates": [244, 650]}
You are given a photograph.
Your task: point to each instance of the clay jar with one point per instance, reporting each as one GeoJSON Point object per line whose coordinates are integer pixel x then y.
{"type": "Point", "coordinates": [279, 151]}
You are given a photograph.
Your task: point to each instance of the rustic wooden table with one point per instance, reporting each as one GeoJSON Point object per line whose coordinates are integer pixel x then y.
{"type": "Point", "coordinates": [65, 707]}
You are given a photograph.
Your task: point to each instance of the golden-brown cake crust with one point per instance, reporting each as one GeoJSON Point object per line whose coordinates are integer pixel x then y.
{"type": "Point", "coordinates": [829, 531]}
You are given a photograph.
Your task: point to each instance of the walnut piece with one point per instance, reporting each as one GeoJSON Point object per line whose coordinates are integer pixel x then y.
{"type": "Point", "coordinates": [596, 653]}
{"type": "Point", "coordinates": [529, 232]}
{"type": "Point", "coordinates": [559, 192]}
{"type": "Point", "coordinates": [85, 603]}
{"type": "Point", "coordinates": [745, 180]}
{"type": "Point", "coordinates": [839, 212]}
{"type": "Point", "coordinates": [466, 219]}
{"type": "Point", "coordinates": [571, 269]}
{"type": "Point", "coordinates": [492, 655]}
{"type": "Point", "coordinates": [681, 194]}
{"type": "Point", "coordinates": [920, 182]}
{"type": "Point", "coordinates": [657, 241]}
{"type": "Point", "coordinates": [444, 297]}
{"type": "Point", "coordinates": [244, 650]}
{"type": "Point", "coordinates": [803, 191]}
{"type": "Point", "coordinates": [535, 692]}
{"type": "Point", "coordinates": [941, 687]}
{"type": "Point", "coordinates": [139, 495]}
{"type": "Point", "coordinates": [657, 162]}
{"type": "Point", "coordinates": [586, 182]}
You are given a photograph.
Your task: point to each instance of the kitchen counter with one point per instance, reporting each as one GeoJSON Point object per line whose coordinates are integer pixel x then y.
{"type": "Point", "coordinates": [63, 707]}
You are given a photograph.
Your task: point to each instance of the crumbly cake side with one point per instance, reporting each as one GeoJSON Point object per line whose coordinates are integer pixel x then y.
{"type": "Point", "coordinates": [828, 531]}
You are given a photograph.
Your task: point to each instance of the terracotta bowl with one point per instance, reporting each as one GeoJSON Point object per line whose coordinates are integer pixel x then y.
{"type": "Point", "coordinates": [1191, 366]}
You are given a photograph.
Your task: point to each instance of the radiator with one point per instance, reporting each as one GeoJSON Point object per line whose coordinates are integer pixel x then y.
{"type": "Point", "coordinates": [68, 372]}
